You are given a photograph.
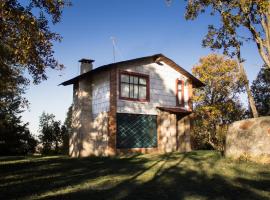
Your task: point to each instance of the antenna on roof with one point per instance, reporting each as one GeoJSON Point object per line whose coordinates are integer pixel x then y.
{"type": "Point", "coordinates": [115, 49]}
{"type": "Point", "coordinates": [113, 43]}
{"type": "Point", "coordinates": [168, 2]}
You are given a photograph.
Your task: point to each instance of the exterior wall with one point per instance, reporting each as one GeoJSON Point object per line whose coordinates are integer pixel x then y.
{"type": "Point", "coordinates": [173, 135]}
{"type": "Point", "coordinates": [250, 138]}
{"type": "Point", "coordinates": [162, 88]}
{"type": "Point", "coordinates": [183, 133]}
{"type": "Point", "coordinates": [75, 137]}
{"type": "Point", "coordinates": [96, 102]}
{"type": "Point", "coordinates": [81, 116]}
{"type": "Point", "coordinates": [100, 93]}
{"type": "Point", "coordinates": [167, 132]}
{"type": "Point", "coordinates": [90, 118]}
{"type": "Point", "coordinates": [112, 113]}
{"type": "Point", "coordinates": [173, 132]}
{"type": "Point", "coordinates": [95, 140]}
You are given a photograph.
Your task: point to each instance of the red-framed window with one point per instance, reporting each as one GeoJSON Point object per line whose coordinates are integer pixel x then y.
{"type": "Point", "coordinates": [179, 92]}
{"type": "Point", "coordinates": [133, 86]}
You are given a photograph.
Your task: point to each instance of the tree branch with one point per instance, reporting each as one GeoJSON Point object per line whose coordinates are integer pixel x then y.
{"type": "Point", "coordinates": [267, 22]}
{"type": "Point", "coordinates": [259, 42]}
{"type": "Point", "coordinates": [267, 34]}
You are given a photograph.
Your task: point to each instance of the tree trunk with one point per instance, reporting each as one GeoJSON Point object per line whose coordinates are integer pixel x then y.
{"type": "Point", "coordinates": [249, 94]}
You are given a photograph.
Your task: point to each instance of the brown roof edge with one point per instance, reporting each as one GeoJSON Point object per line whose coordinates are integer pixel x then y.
{"type": "Point", "coordinates": [156, 58]}
{"type": "Point", "coordinates": [174, 110]}
{"type": "Point", "coordinates": [104, 67]}
{"type": "Point", "coordinates": [196, 82]}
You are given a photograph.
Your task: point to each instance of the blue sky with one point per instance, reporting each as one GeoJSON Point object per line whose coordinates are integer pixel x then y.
{"type": "Point", "coordinates": [141, 28]}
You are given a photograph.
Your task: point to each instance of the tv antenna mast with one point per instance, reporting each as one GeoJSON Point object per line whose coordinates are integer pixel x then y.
{"type": "Point", "coordinates": [168, 2]}
{"type": "Point", "coordinates": [115, 49]}
{"type": "Point", "coordinates": [113, 43]}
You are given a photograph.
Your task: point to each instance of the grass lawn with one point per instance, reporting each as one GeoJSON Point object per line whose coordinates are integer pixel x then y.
{"type": "Point", "coordinates": [194, 175]}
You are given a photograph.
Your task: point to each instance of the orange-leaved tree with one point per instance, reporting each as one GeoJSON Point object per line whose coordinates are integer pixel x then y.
{"type": "Point", "coordinates": [218, 103]}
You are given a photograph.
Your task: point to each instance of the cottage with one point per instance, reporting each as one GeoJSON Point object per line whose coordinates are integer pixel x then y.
{"type": "Point", "coordinates": [139, 105]}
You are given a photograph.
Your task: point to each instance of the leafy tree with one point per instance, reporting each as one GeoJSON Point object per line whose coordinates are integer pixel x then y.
{"type": "Point", "coordinates": [235, 15]}
{"type": "Point", "coordinates": [26, 45]}
{"type": "Point", "coordinates": [53, 135]}
{"type": "Point", "coordinates": [26, 40]}
{"type": "Point", "coordinates": [12, 85]}
{"type": "Point", "coordinates": [15, 138]}
{"type": "Point", "coordinates": [254, 16]}
{"type": "Point", "coordinates": [261, 91]}
{"type": "Point", "coordinates": [49, 129]}
{"type": "Point", "coordinates": [66, 130]}
{"type": "Point", "coordinates": [68, 120]}
{"type": "Point", "coordinates": [217, 104]}
{"type": "Point", "coordinates": [65, 140]}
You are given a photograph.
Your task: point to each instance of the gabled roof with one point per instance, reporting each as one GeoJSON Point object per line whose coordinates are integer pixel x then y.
{"type": "Point", "coordinates": [157, 58]}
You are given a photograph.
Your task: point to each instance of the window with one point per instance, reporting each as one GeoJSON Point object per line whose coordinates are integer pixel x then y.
{"type": "Point", "coordinates": [134, 86]}
{"type": "Point", "coordinates": [179, 92]}
{"type": "Point", "coordinates": [136, 131]}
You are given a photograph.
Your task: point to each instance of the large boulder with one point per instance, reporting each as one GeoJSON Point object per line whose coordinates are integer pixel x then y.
{"type": "Point", "coordinates": [249, 138]}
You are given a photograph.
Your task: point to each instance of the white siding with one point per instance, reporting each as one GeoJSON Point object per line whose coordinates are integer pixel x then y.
{"type": "Point", "coordinates": [100, 93]}
{"type": "Point", "coordinates": [162, 89]}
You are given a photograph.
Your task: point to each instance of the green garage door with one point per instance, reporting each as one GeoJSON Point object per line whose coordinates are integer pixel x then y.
{"type": "Point", "coordinates": [136, 131]}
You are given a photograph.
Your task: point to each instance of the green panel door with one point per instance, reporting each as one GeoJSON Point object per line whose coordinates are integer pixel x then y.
{"type": "Point", "coordinates": [136, 131]}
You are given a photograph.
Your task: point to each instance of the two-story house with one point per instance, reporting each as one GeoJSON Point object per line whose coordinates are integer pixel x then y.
{"type": "Point", "coordinates": [139, 105]}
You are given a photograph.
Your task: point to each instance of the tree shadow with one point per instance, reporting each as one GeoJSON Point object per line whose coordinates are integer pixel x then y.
{"type": "Point", "coordinates": [42, 175]}
{"type": "Point", "coordinates": [168, 176]}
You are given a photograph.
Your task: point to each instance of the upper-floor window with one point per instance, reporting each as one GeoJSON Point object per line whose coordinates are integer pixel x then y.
{"type": "Point", "coordinates": [133, 86]}
{"type": "Point", "coordinates": [179, 92]}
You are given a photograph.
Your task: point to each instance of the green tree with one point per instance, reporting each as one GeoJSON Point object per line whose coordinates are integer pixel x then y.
{"type": "Point", "coordinates": [217, 104]}
{"type": "Point", "coordinates": [65, 140]}
{"type": "Point", "coordinates": [66, 130]}
{"type": "Point", "coordinates": [26, 45]}
{"type": "Point", "coordinates": [15, 138]}
{"type": "Point", "coordinates": [68, 120]}
{"type": "Point", "coordinates": [49, 133]}
{"type": "Point", "coordinates": [53, 135]}
{"type": "Point", "coordinates": [261, 91]}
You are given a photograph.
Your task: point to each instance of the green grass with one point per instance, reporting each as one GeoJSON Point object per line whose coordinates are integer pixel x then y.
{"type": "Point", "coordinates": [194, 175]}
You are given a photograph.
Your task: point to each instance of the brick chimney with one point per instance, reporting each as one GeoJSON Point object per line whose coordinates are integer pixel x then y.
{"type": "Point", "coordinates": [86, 65]}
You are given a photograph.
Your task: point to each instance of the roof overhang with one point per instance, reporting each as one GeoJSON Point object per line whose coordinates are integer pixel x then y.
{"type": "Point", "coordinates": [196, 82]}
{"type": "Point", "coordinates": [174, 110]}
{"type": "Point", "coordinates": [157, 58]}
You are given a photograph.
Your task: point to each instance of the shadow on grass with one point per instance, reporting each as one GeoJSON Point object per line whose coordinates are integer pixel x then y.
{"type": "Point", "coordinates": [169, 176]}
